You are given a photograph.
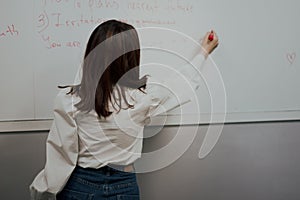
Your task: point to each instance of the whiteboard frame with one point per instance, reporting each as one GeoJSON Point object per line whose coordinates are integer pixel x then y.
{"type": "Point", "coordinates": [172, 120]}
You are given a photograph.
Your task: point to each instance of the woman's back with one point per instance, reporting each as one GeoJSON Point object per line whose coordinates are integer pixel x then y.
{"type": "Point", "coordinates": [116, 139]}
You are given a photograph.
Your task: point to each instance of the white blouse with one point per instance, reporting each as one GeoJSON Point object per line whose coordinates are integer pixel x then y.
{"type": "Point", "coordinates": [83, 139]}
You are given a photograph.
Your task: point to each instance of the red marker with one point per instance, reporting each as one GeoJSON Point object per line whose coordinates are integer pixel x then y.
{"type": "Point", "coordinates": [211, 36]}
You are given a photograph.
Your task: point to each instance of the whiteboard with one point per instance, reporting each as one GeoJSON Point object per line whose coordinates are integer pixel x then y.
{"type": "Point", "coordinates": [42, 44]}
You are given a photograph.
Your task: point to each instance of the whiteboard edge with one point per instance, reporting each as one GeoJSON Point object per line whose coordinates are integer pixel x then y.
{"type": "Point", "coordinates": [172, 120]}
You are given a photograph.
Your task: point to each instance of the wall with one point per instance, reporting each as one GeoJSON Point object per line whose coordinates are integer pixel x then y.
{"type": "Point", "coordinates": [251, 161]}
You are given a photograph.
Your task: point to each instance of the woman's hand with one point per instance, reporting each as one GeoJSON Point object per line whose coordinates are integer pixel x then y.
{"type": "Point", "coordinates": [208, 45]}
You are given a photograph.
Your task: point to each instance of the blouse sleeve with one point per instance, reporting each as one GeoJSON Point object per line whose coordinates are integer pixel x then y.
{"type": "Point", "coordinates": [163, 96]}
{"type": "Point", "coordinates": [61, 150]}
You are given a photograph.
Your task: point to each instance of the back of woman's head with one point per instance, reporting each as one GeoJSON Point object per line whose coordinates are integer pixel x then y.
{"type": "Point", "coordinates": [111, 64]}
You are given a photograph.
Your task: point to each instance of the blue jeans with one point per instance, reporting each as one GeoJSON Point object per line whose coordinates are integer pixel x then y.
{"type": "Point", "coordinates": [100, 184]}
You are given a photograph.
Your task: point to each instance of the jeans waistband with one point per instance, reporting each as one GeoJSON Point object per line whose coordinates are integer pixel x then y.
{"type": "Point", "coordinates": [110, 168]}
{"type": "Point", "coordinates": [123, 168]}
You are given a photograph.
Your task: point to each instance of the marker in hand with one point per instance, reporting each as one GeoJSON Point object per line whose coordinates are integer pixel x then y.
{"type": "Point", "coordinates": [209, 43]}
{"type": "Point", "coordinates": [211, 36]}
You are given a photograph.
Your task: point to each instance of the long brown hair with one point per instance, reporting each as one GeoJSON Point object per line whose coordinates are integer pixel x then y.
{"type": "Point", "coordinates": [111, 61]}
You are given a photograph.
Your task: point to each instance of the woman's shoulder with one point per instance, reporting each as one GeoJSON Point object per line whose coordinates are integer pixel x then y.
{"type": "Point", "coordinates": [137, 94]}
{"type": "Point", "coordinates": [66, 101]}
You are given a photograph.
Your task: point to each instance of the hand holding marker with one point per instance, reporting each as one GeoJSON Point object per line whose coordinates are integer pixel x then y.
{"type": "Point", "coordinates": [211, 36]}
{"type": "Point", "coordinates": [209, 43]}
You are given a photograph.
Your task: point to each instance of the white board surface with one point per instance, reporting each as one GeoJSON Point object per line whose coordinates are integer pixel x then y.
{"type": "Point", "coordinates": [42, 44]}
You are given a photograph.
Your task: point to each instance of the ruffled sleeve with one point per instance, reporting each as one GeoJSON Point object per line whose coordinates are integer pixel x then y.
{"type": "Point", "coordinates": [62, 151]}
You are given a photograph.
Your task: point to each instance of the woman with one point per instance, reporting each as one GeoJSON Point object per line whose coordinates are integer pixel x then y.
{"type": "Point", "coordinates": [98, 124]}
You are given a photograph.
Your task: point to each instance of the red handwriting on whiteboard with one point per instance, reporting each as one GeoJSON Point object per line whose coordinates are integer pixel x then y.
{"type": "Point", "coordinates": [73, 44]}
{"type": "Point", "coordinates": [130, 5]}
{"type": "Point", "coordinates": [46, 2]}
{"type": "Point", "coordinates": [153, 6]}
{"type": "Point", "coordinates": [58, 20]}
{"type": "Point", "coordinates": [10, 30]}
{"type": "Point", "coordinates": [57, 16]}
{"type": "Point", "coordinates": [53, 16]}
{"type": "Point", "coordinates": [42, 21]}
{"type": "Point", "coordinates": [291, 57]}
{"type": "Point", "coordinates": [52, 44]}
{"type": "Point", "coordinates": [179, 6]}
{"type": "Point", "coordinates": [112, 4]}
{"type": "Point", "coordinates": [143, 6]}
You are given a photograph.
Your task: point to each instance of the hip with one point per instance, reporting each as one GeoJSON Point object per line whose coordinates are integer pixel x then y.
{"type": "Point", "coordinates": [106, 183]}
